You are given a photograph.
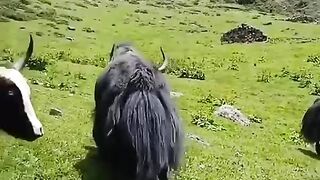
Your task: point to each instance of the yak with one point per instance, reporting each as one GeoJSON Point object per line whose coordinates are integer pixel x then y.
{"type": "Point", "coordinates": [310, 128]}
{"type": "Point", "coordinates": [136, 128]}
{"type": "Point", "coordinates": [17, 116]}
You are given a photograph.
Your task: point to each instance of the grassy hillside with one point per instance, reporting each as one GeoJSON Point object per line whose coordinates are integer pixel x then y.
{"type": "Point", "coordinates": [273, 81]}
{"type": "Point", "coordinates": [285, 7]}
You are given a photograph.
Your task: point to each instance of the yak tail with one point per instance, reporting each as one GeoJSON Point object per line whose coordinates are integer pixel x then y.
{"type": "Point", "coordinates": [150, 125]}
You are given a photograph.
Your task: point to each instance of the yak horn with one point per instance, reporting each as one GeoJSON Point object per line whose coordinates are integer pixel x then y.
{"type": "Point", "coordinates": [112, 51]}
{"type": "Point", "coordinates": [165, 61]}
{"type": "Point", "coordinates": [20, 64]}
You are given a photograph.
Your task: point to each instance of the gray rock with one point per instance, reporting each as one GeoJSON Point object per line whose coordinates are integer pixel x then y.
{"type": "Point", "coordinates": [230, 112]}
{"type": "Point", "coordinates": [175, 94]}
{"type": "Point", "coordinates": [71, 28]}
{"type": "Point", "coordinates": [197, 139]}
{"type": "Point", "coordinates": [70, 38]}
{"type": "Point", "coordinates": [55, 112]}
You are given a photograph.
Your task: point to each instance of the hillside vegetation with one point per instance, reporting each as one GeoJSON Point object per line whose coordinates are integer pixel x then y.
{"type": "Point", "coordinates": [273, 82]}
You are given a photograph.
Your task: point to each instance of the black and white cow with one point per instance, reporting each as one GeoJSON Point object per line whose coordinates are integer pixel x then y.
{"type": "Point", "coordinates": [136, 127]}
{"type": "Point", "coordinates": [17, 116]}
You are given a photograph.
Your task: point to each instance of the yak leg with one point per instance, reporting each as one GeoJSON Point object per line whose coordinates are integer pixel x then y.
{"type": "Point", "coordinates": [318, 147]}
{"type": "Point", "coordinates": [163, 175]}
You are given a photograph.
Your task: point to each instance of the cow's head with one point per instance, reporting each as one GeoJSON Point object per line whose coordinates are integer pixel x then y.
{"type": "Point", "coordinates": [17, 116]}
{"type": "Point", "coordinates": [124, 48]}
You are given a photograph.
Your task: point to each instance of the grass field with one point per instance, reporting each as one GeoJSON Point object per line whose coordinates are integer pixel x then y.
{"type": "Point", "coordinates": [278, 89]}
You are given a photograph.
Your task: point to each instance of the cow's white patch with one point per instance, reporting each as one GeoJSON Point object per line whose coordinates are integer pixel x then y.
{"type": "Point", "coordinates": [17, 78]}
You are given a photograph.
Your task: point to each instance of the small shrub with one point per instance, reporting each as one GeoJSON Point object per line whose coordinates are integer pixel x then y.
{"type": "Point", "coordinates": [208, 99]}
{"type": "Point", "coordinates": [264, 76]}
{"type": "Point", "coordinates": [314, 59]}
{"type": "Point", "coordinates": [59, 35]}
{"type": "Point", "coordinates": [8, 55]}
{"type": "Point", "coordinates": [203, 121]}
{"type": "Point", "coordinates": [302, 75]}
{"type": "Point", "coordinates": [48, 13]}
{"type": "Point", "coordinates": [88, 30]}
{"type": "Point", "coordinates": [186, 70]}
{"type": "Point", "coordinates": [80, 76]}
{"type": "Point", "coordinates": [233, 67]}
{"type": "Point", "coordinates": [141, 11]}
{"type": "Point", "coordinates": [255, 119]}
{"type": "Point", "coordinates": [293, 137]}
{"type": "Point", "coordinates": [39, 63]}
{"type": "Point", "coordinates": [315, 89]}
{"type": "Point", "coordinates": [73, 18]}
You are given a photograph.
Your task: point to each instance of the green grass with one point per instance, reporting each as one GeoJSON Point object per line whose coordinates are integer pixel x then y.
{"type": "Point", "coordinates": [267, 150]}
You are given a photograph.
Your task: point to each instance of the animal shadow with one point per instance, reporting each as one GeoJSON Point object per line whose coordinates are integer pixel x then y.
{"type": "Point", "coordinates": [92, 167]}
{"type": "Point", "coordinates": [309, 153]}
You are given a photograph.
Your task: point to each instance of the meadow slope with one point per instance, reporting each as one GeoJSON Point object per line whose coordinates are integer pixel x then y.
{"type": "Point", "coordinates": [272, 81]}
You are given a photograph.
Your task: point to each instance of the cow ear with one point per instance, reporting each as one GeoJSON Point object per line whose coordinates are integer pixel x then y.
{"type": "Point", "coordinates": [21, 63]}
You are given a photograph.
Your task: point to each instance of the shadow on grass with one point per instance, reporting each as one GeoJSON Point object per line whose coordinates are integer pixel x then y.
{"type": "Point", "coordinates": [92, 167]}
{"type": "Point", "coordinates": [309, 153]}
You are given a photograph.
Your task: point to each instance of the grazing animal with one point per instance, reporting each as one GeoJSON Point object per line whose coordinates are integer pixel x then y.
{"type": "Point", "coordinates": [311, 125]}
{"type": "Point", "coordinates": [136, 127]}
{"type": "Point", "coordinates": [17, 116]}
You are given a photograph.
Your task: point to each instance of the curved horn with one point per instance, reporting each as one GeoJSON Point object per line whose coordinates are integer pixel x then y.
{"type": "Point", "coordinates": [111, 53]}
{"type": "Point", "coordinates": [165, 61]}
{"type": "Point", "coordinates": [20, 64]}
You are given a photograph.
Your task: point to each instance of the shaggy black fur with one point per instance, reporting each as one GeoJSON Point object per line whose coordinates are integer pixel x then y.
{"type": "Point", "coordinates": [136, 128]}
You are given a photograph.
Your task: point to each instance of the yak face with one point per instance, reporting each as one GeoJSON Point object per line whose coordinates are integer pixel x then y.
{"type": "Point", "coordinates": [18, 117]}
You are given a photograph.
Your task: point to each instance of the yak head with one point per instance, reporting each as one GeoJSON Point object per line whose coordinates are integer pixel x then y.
{"type": "Point", "coordinates": [127, 48]}
{"type": "Point", "coordinates": [17, 116]}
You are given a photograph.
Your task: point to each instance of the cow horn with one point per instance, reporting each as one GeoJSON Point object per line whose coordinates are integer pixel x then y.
{"type": "Point", "coordinates": [20, 64]}
{"type": "Point", "coordinates": [165, 61]}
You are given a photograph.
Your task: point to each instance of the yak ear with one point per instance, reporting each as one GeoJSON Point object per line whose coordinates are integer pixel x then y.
{"type": "Point", "coordinates": [21, 63]}
{"type": "Point", "coordinates": [112, 51]}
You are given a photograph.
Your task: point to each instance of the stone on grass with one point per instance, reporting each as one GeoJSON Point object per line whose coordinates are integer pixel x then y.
{"type": "Point", "coordinates": [55, 112]}
{"type": "Point", "coordinates": [233, 114]}
{"type": "Point", "coordinates": [70, 38]}
{"type": "Point", "coordinates": [197, 139]}
{"type": "Point", "coordinates": [71, 28]}
{"type": "Point", "coordinates": [175, 94]}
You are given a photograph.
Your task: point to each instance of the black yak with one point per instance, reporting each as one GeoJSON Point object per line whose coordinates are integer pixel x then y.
{"type": "Point", "coordinates": [17, 116]}
{"type": "Point", "coordinates": [310, 129]}
{"type": "Point", "coordinates": [136, 127]}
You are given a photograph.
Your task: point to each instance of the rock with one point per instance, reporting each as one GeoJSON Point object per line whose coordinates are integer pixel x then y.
{"type": "Point", "coordinates": [55, 112]}
{"type": "Point", "coordinates": [267, 24]}
{"type": "Point", "coordinates": [71, 28]}
{"type": "Point", "coordinates": [197, 139]}
{"type": "Point", "coordinates": [302, 19]}
{"type": "Point", "coordinates": [230, 112]}
{"type": "Point", "coordinates": [175, 94]}
{"type": "Point", "coordinates": [70, 38]}
{"type": "Point", "coordinates": [243, 34]}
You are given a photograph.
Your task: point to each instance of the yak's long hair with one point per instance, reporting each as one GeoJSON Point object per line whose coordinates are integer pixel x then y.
{"type": "Point", "coordinates": [141, 131]}
{"type": "Point", "coordinates": [311, 123]}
